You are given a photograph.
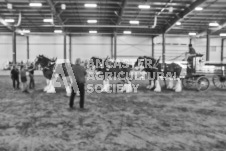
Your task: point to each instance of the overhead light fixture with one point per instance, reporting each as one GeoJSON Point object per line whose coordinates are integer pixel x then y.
{"type": "Point", "coordinates": [9, 6]}
{"type": "Point", "coordinates": [214, 24]}
{"type": "Point", "coordinates": [91, 5]}
{"type": "Point", "coordinates": [127, 32]}
{"type": "Point", "coordinates": [178, 23]}
{"type": "Point", "coordinates": [63, 6]}
{"type": "Point", "coordinates": [198, 8]}
{"type": "Point", "coordinates": [58, 31]}
{"type": "Point", "coordinates": [192, 34]}
{"type": "Point", "coordinates": [47, 20]}
{"type": "Point", "coordinates": [222, 34]}
{"type": "Point", "coordinates": [134, 22]}
{"type": "Point", "coordinates": [170, 9]}
{"type": "Point", "coordinates": [92, 31]}
{"type": "Point", "coordinates": [144, 6]}
{"type": "Point", "coordinates": [9, 20]}
{"type": "Point", "coordinates": [35, 4]}
{"type": "Point", "coordinates": [26, 31]}
{"type": "Point", "coordinates": [91, 21]}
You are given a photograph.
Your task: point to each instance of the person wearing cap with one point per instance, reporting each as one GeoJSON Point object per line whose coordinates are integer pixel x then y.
{"type": "Point", "coordinates": [79, 73]}
{"type": "Point", "coordinates": [15, 77]}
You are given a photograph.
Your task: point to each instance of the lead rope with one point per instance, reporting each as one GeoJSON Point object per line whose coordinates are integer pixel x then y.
{"type": "Point", "coordinates": [178, 56]}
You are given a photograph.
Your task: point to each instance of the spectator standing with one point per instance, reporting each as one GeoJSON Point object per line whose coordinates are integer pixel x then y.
{"type": "Point", "coordinates": [79, 73]}
{"type": "Point", "coordinates": [31, 75]}
{"type": "Point", "coordinates": [15, 77]}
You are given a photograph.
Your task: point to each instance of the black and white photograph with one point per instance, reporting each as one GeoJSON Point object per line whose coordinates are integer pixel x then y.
{"type": "Point", "coordinates": [112, 75]}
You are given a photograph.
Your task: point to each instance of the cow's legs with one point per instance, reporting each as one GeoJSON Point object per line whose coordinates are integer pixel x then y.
{"type": "Point", "coordinates": [51, 87]}
{"type": "Point", "coordinates": [157, 86]}
{"type": "Point", "coordinates": [127, 86]}
{"type": "Point", "coordinates": [151, 84]}
{"type": "Point", "coordinates": [47, 85]}
{"type": "Point", "coordinates": [106, 85]}
{"type": "Point", "coordinates": [67, 85]}
{"type": "Point", "coordinates": [170, 84]}
{"type": "Point", "coordinates": [178, 86]}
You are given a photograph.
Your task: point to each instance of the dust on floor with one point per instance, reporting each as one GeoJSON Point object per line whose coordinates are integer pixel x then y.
{"type": "Point", "coordinates": [143, 121]}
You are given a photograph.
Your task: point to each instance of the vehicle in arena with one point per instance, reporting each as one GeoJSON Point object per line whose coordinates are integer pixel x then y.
{"type": "Point", "coordinates": [201, 73]}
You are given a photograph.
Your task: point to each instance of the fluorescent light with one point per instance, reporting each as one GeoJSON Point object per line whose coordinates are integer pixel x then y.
{"type": "Point", "coordinates": [178, 23]}
{"type": "Point", "coordinates": [48, 20]}
{"type": "Point", "coordinates": [35, 4]}
{"type": "Point", "coordinates": [127, 32]}
{"type": "Point", "coordinates": [9, 20]}
{"type": "Point", "coordinates": [92, 31]}
{"type": "Point", "coordinates": [91, 21]}
{"type": "Point", "coordinates": [90, 5]}
{"type": "Point", "coordinates": [213, 24]}
{"type": "Point", "coordinates": [222, 34]}
{"type": "Point", "coordinates": [134, 22]}
{"type": "Point", "coordinates": [192, 34]}
{"type": "Point", "coordinates": [198, 8]}
{"type": "Point", "coordinates": [9, 6]}
{"type": "Point", "coordinates": [144, 6]}
{"type": "Point", "coordinates": [63, 6]}
{"type": "Point", "coordinates": [26, 31]}
{"type": "Point", "coordinates": [170, 9]}
{"type": "Point", "coordinates": [58, 31]}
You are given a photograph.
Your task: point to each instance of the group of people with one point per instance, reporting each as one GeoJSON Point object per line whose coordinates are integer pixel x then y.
{"type": "Point", "coordinates": [21, 75]}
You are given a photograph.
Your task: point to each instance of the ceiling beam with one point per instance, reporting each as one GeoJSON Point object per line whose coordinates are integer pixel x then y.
{"type": "Point", "coordinates": [211, 31]}
{"type": "Point", "coordinates": [98, 26]}
{"type": "Point", "coordinates": [120, 14]}
{"type": "Point", "coordinates": [183, 14]}
{"type": "Point", "coordinates": [54, 11]}
{"type": "Point", "coordinates": [5, 24]}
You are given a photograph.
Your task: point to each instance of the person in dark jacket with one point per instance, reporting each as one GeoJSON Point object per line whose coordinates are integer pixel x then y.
{"type": "Point", "coordinates": [79, 73]}
{"type": "Point", "coordinates": [15, 77]}
{"type": "Point", "coordinates": [191, 55]}
{"type": "Point", "coordinates": [31, 75]}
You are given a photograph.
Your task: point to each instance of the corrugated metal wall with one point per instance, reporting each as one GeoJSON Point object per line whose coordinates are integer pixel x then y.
{"type": "Point", "coordinates": [87, 46]}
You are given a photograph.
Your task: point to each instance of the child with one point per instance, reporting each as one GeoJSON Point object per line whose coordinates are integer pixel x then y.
{"type": "Point", "coordinates": [23, 77]}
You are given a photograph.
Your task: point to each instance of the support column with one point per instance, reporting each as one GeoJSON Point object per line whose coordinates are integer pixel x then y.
{"type": "Point", "coordinates": [207, 46]}
{"type": "Point", "coordinates": [190, 41]}
{"type": "Point", "coordinates": [65, 46]}
{"type": "Point", "coordinates": [28, 49]}
{"type": "Point", "coordinates": [163, 49]}
{"type": "Point", "coordinates": [70, 48]}
{"type": "Point", "coordinates": [14, 45]}
{"type": "Point", "coordinates": [152, 47]}
{"type": "Point", "coordinates": [112, 46]}
{"type": "Point", "coordinates": [115, 45]}
{"type": "Point", "coordinates": [222, 50]}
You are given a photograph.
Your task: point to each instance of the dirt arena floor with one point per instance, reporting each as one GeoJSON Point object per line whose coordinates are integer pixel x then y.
{"type": "Point", "coordinates": [143, 121]}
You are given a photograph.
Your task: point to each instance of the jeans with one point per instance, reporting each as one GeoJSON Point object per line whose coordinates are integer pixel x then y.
{"type": "Point", "coordinates": [16, 82]}
{"type": "Point", "coordinates": [32, 82]}
{"type": "Point", "coordinates": [81, 87]}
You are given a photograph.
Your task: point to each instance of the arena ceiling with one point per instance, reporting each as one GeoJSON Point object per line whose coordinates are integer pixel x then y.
{"type": "Point", "coordinates": [163, 16]}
